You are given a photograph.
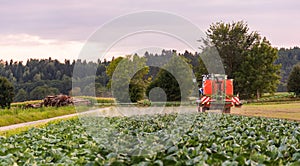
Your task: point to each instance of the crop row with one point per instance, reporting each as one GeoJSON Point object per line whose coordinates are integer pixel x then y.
{"type": "Point", "coordinates": [213, 139]}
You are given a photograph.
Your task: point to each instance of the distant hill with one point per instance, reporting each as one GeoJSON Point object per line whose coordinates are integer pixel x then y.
{"type": "Point", "coordinates": [287, 58]}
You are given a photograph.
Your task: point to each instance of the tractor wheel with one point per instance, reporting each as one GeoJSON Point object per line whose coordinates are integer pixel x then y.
{"type": "Point", "coordinates": [204, 109]}
{"type": "Point", "coordinates": [226, 110]}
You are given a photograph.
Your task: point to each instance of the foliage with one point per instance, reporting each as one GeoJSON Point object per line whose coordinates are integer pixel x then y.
{"type": "Point", "coordinates": [279, 98]}
{"type": "Point", "coordinates": [168, 83]}
{"type": "Point", "coordinates": [235, 140]}
{"type": "Point", "coordinates": [258, 74]}
{"type": "Point", "coordinates": [6, 93]}
{"type": "Point", "coordinates": [200, 70]}
{"type": "Point", "coordinates": [136, 89]}
{"type": "Point", "coordinates": [111, 68]}
{"type": "Point", "coordinates": [41, 92]}
{"type": "Point", "coordinates": [293, 83]}
{"type": "Point", "coordinates": [175, 79]}
{"type": "Point", "coordinates": [52, 73]}
{"type": "Point", "coordinates": [287, 57]}
{"type": "Point", "coordinates": [34, 72]}
{"type": "Point", "coordinates": [127, 78]}
{"type": "Point", "coordinates": [21, 95]}
{"type": "Point", "coordinates": [231, 41]}
{"type": "Point", "coordinates": [20, 115]}
{"type": "Point", "coordinates": [246, 58]}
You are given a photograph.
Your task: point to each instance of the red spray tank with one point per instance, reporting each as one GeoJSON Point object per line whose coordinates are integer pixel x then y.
{"type": "Point", "coordinates": [217, 92]}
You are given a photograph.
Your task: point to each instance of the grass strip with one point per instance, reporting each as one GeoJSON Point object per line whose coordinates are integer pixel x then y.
{"type": "Point", "coordinates": [18, 115]}
{"type": "Point", "coordinates": [20, 130]}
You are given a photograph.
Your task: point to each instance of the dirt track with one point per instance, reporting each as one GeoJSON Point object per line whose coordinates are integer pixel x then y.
{"type": "Point", "coordinates": [286, 111]}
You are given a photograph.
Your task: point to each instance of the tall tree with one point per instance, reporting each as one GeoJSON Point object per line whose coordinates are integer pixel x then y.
{"type": "Point", "coordinates": [232, 41]}
{"type": "Point", "coordinates": [111, 68]}
{"type": "Point", "coordinates": [168, 83]}
{"type": "Point", "coordinates": [6, 93]}
{"type": "Point", "coordinates": [293, 84]}
{"type": "Point", "coordinates": [127, 75]}
{"type": "Point", "coordinates": [175, 79]}
{"type": "Point", "coordinates": [258, 74]}
{"type": "Point", "coordinates": [246, 58]}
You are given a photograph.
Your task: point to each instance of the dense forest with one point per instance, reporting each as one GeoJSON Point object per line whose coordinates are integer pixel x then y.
{"type": "Point", "coordinates": [287, 58]}
{"type": "Point", "coordinates": [35, 78]}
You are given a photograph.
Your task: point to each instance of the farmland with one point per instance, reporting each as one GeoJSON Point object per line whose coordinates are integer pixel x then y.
{"type": "Point", "coordinates": [289, 111]}
{"type": "Point", "coordinates": [212, 139]}
{"type": "Point", "coordinates": [171, 138]}
{"type": "Point", "coordinates": [18, 114]}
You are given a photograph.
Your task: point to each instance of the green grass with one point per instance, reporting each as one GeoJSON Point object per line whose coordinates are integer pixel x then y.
{"type": "Point", "coordinates": [18, 115]}
{"type": "Point", "coordinates": [20, 130]}
{"type": "Point", "coordinates": [24, 103]}
{"type": "Point", "coordinates": [102, 100]}
{"type": "Point", "coordinates": [278, 97]}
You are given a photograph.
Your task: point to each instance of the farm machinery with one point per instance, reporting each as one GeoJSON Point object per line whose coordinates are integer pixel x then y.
{"type": "Point", "coordinates": [216, 93]}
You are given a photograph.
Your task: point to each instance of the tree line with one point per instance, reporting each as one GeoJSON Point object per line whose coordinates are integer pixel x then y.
{"type": "Point", "coordinates": [248, 58]}
{"type": "Point", "coordinates": [288, 58]}
{"type": "Point", "coordinates": [37, 78]}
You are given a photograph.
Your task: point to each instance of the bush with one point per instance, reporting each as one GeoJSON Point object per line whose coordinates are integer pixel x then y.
{"type": "Point", "coordinates": [41, 92]}
{"type": "Point", "coordinates": [6, 93]}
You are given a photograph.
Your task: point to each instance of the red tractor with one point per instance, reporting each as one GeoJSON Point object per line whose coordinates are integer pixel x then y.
{"type": "Point", "coordinates": [216, 93]}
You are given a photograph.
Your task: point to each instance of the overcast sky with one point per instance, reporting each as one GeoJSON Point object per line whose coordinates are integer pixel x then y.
{"type": "Point", "coordinates": [40, 29]}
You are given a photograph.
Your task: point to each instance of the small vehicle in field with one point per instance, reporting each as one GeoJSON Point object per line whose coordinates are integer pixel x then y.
{"type": "Point", "coordinates": [216, 93]}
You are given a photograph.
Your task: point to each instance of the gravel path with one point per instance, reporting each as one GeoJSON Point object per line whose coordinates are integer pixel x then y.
{"type": "Point", "coordinates": [4, 128]}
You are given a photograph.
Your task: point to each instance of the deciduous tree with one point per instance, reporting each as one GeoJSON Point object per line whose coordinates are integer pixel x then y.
{"type": "Point", "coordinates": [293, 84]}
{"type": "Point", "coordinates": [246, 57]}
{"type": "Point", "coordinates": [6, 93]}
{"type": "Point", "coordinates": [127, 78]}
{"type": "Point", "coordinates": [175, 79]}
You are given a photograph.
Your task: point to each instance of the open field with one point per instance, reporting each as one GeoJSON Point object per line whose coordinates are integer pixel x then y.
{"type": "Point", "coordinates": [289, 111]}
{"type": "Point", "coordinates": [39, 124]}
{"type": "Point", "coordinates": [18, 115]}
{"type": "Point", "coordinates": [279, 110]}
{"type": "Point", "coordinates": [213, 139]}
{"type": "Point", "coordinates": [205, 138]}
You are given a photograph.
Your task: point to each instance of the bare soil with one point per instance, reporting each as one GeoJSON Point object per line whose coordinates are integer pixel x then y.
{"type": "Point", "coordinates": [289, 111]}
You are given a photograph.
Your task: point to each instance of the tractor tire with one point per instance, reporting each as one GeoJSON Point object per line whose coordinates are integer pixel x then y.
{"type": "Point", "coordinates": [226, 110]}
{"type": "Point", "coordinates": [204, 109]}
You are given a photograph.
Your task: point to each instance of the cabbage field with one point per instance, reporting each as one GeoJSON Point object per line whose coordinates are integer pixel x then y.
{"type": "Point", "coordinates": [230, 140]}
